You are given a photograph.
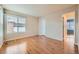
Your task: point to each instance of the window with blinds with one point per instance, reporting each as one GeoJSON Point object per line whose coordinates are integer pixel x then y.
{"type": "Point", "coordinates": [15, 23]}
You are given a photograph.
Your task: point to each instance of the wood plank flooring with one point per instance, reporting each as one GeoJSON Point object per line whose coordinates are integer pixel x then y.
{"type": "Point", "coordinates": [33, 45]}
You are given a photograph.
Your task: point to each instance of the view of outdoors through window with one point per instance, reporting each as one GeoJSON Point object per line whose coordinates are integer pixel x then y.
{"type": "Point", "coordinates": [15, 23]}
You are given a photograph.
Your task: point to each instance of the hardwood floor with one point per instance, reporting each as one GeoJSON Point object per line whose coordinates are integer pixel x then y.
{"type": "Point", "coordinates": [33, 45]}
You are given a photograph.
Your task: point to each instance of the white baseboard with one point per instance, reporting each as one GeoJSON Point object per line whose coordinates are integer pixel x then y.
{"type": "Point", "coordinates": [19, 37]}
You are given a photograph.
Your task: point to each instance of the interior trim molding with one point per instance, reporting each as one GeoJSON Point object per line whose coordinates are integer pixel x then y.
{"type": "Point", "coordinates": [20, 38]}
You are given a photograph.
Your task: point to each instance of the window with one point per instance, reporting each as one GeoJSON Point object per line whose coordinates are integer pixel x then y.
{"type": "Point", "coordinates": [20, 25]}
{"type": "Point", "coordinates": [70, 26]}
{"type": "Point", "coordinates": [15, 23]}
{"type": "Point", "coordinates": [1, 25]}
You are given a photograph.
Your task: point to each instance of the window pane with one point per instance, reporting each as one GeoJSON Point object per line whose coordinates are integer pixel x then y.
{"type": "Point", "coordinates": [21, 24]}
{"type": "Point", "coordinates": [70, 29]}
{"type": "Point", "coordinates": [1, 26]}
{"type": "Point", "coordinates": [15, 29]}
{"type": "Point", "coordinates": [21, 29]}
{"type": "Point", "coordinates": [21, 20]}
{"type": "Point", "coordinates": [11, 21]}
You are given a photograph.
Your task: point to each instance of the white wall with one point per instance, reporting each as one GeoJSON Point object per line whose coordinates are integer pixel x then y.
{"type": "Point", "coordinates": [42, 26]}
{"type": "Point", "coordinates": [31, 29]}
{"type": "Point", "coordinates": [54, 26]}
{"type": "Point", "coordinates": [54, 23]}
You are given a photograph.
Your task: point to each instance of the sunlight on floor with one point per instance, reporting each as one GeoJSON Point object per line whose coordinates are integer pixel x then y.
{"type": "Point", "coordinates": [19, 48]}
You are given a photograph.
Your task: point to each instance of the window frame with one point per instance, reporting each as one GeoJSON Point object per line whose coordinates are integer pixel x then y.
{"type": "Point", "coordinates": [17, 17]}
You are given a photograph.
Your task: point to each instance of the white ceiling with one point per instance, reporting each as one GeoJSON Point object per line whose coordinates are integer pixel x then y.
{"type": "Point", "coordinates": [36, 9]}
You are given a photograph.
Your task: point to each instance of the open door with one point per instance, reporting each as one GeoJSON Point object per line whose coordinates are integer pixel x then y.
{"type": "Point", "coordinates": [69, 32]}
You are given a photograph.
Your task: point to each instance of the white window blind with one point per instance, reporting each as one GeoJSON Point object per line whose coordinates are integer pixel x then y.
{"type": "Point", "coordinates": [15, 23]}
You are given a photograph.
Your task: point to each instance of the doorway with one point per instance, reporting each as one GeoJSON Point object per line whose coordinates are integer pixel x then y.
{"type": "Point", "coordinates": [69, 32]}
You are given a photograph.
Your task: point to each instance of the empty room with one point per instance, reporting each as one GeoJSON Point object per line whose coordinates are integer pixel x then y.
{"type": "Point", "coordinates": [39, 29]}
